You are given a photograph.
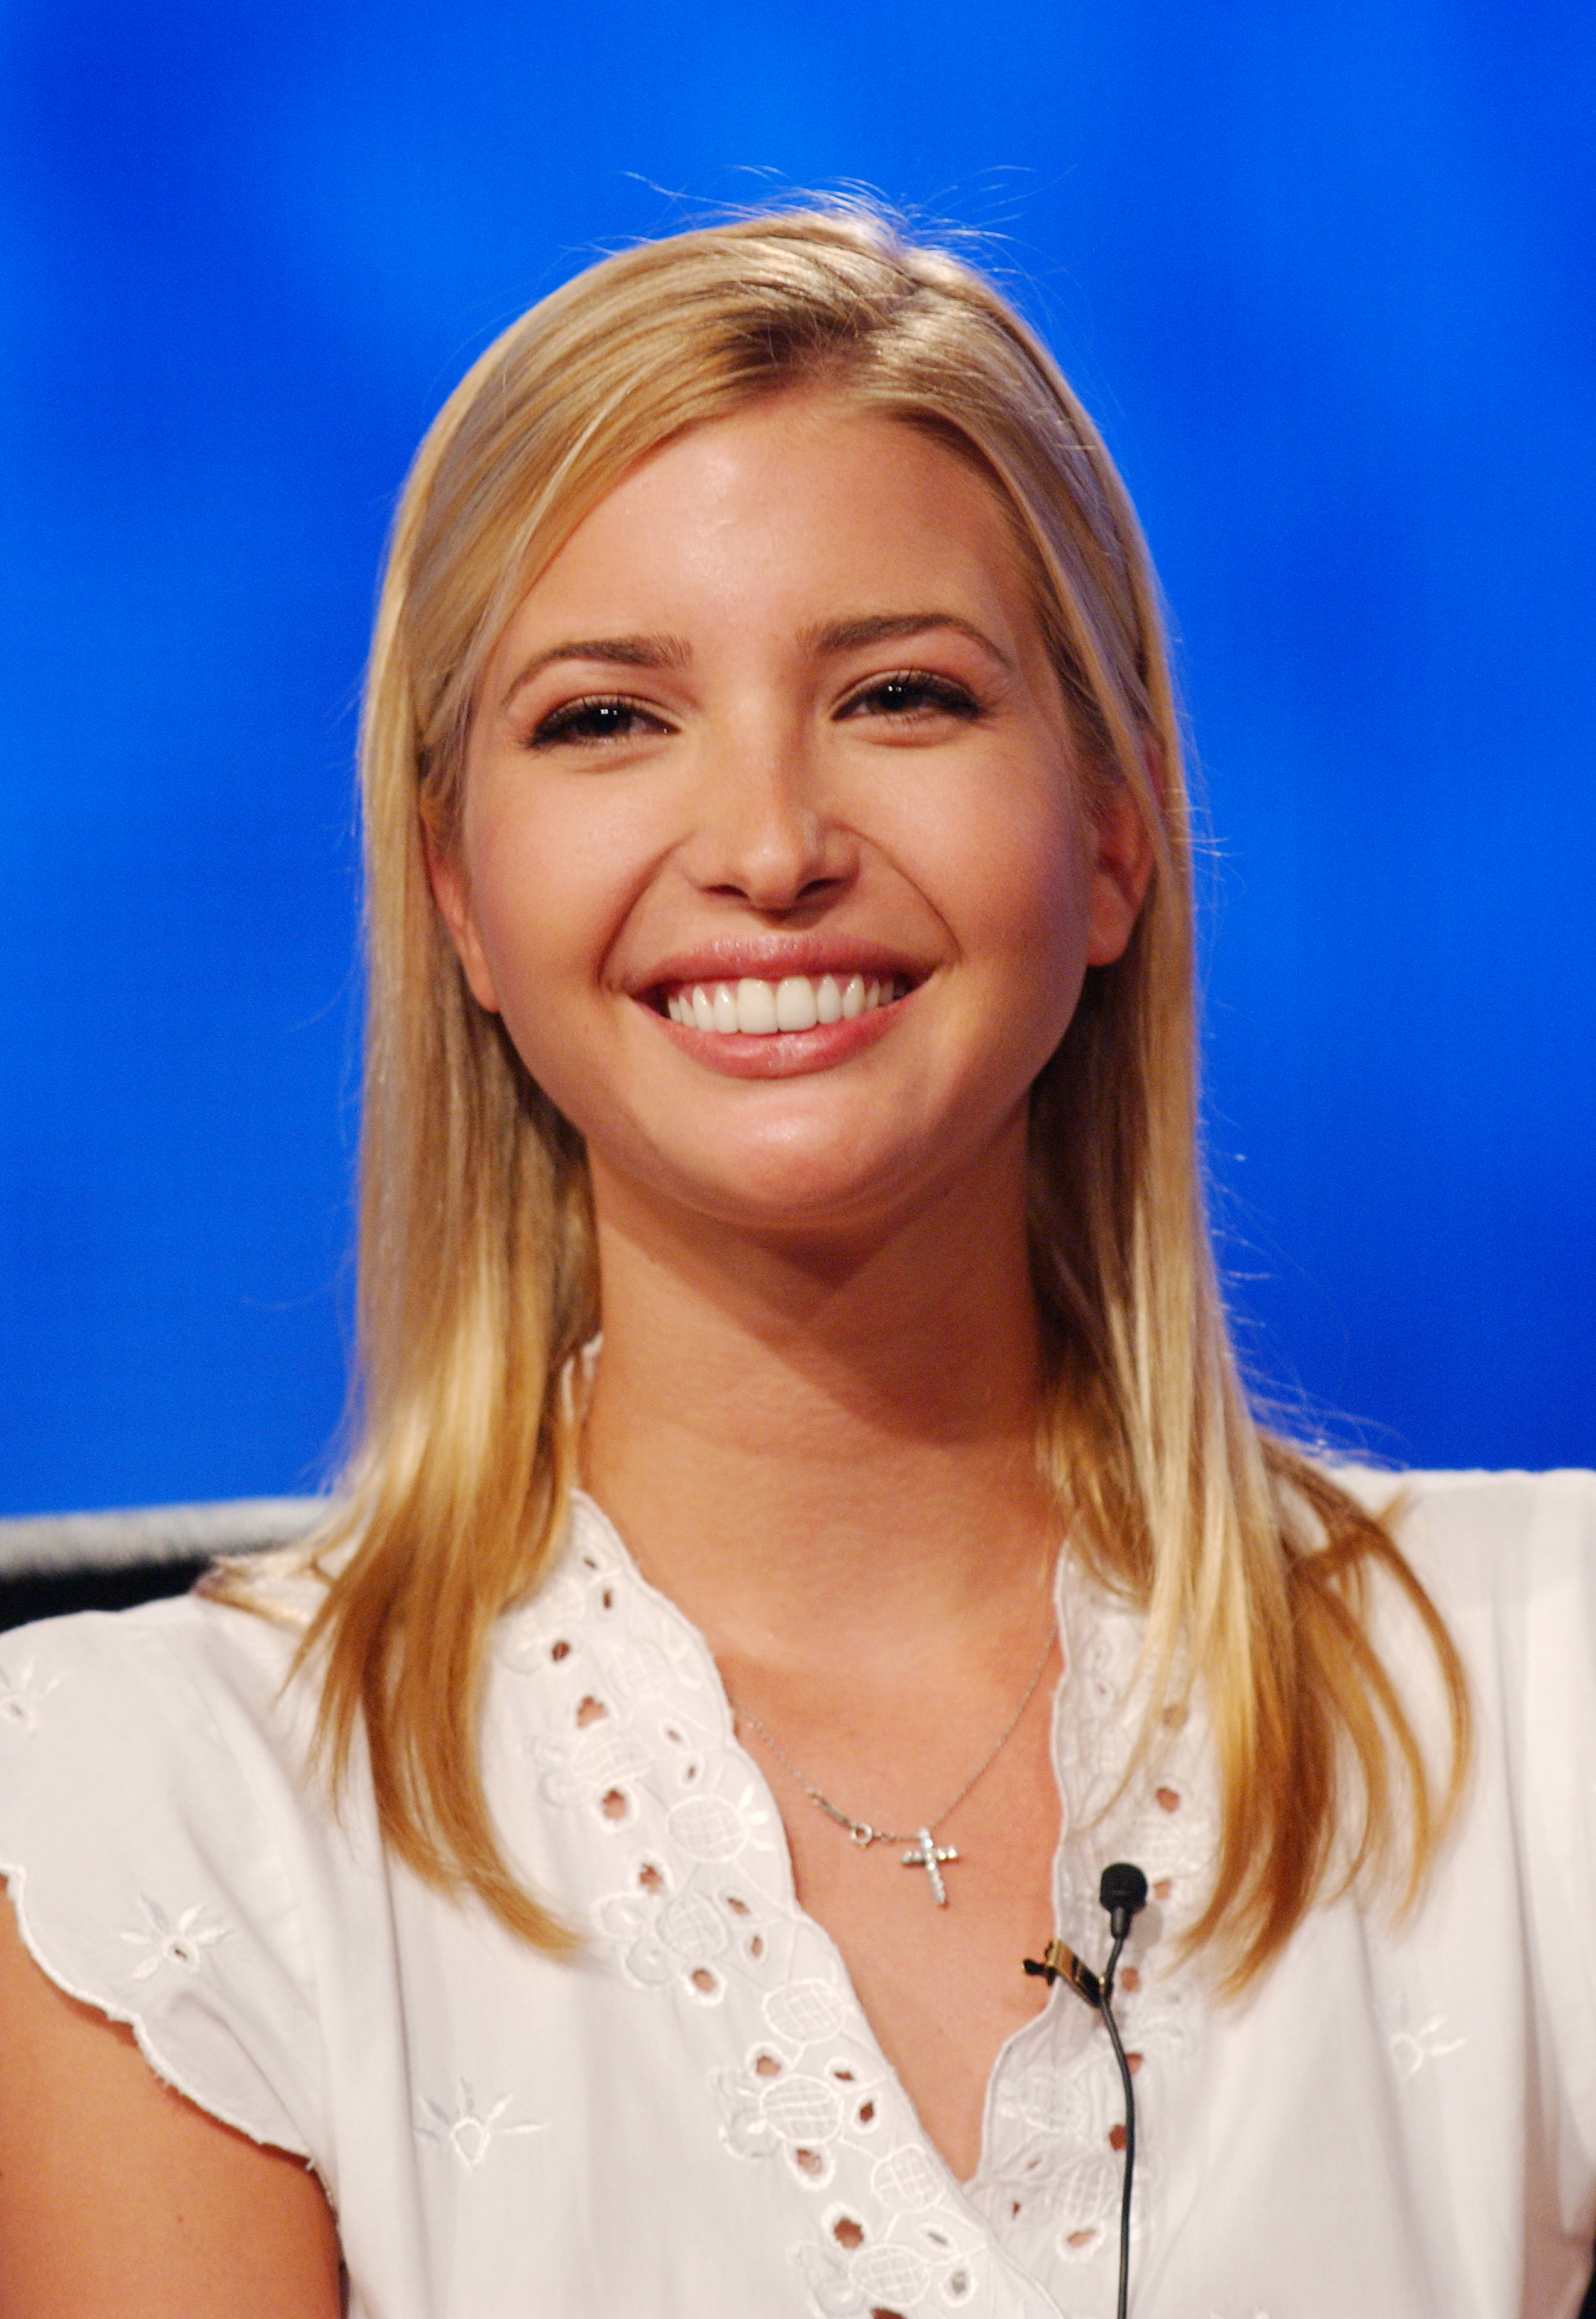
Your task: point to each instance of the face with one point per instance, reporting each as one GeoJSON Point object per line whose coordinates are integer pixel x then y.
{"type": "Point", "coordinates": [772, 854]}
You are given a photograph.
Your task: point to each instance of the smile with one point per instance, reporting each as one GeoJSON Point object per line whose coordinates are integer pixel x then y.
{"type": "Point", "coordinates": [799, 1002]}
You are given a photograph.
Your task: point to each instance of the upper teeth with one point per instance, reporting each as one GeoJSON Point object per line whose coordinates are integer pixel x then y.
{"type": "Point", "coordinates": [796, 1003]}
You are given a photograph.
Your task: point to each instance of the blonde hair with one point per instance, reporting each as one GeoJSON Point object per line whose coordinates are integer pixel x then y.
{"type": "Point", "coordinates": [477, 1276]}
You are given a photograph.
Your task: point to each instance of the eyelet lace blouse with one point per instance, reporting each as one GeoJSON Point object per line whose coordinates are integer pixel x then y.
{"type": "Point", "coordinates": [692, 2118]}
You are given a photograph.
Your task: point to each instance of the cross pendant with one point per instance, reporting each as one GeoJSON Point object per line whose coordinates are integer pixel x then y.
{"type": "Point", "coordinates": [930, 1855]}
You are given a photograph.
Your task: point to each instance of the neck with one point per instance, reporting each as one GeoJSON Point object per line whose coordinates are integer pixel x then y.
{"type": "Point", "coordinates": [817, 1445]}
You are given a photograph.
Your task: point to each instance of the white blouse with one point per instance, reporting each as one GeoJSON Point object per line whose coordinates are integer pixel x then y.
{"type": "Point", "coordinates": [692, 2119]}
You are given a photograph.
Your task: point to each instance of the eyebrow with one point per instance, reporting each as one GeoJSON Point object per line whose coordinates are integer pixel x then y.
{"type": "Point", "coordinates": [627, 652]}
{"type": "Point", "coordinates": [675, 653]}
{"type": "Point", "coordinates": [881, 627]}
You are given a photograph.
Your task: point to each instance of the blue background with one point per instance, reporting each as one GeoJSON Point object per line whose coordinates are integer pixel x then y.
{"type": "Point", "coordinates": [1325, 272]}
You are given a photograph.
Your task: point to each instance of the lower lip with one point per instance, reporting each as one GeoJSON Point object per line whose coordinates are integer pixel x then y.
{"type": "Point", "coordinates": [783, 1054]}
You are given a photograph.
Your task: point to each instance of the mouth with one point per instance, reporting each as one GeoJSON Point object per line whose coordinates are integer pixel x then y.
{"type": "Point", "coordinates": [748, 1008]}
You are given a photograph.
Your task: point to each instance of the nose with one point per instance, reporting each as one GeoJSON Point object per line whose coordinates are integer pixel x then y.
{"type": "Point", "coordinates": [765, 833]}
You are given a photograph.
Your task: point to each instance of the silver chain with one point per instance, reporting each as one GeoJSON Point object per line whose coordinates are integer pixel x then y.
{"type": "Point", "coordinates": [861, 1830]}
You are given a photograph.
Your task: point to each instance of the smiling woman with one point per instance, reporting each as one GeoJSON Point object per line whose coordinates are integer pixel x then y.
{"type": "Point", "coordinates": [780, 1156]}
{"type": "Point", "coordinates": [777, 802]}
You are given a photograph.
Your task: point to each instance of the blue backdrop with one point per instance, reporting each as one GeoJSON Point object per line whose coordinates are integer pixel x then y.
{"type": "Point", "coordinates": [1323, 272]}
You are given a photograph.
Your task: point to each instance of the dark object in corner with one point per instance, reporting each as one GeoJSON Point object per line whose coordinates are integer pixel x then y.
{"type": "Point", "coordinates": [29, 1594]}
{"type": "Point", "coordinates": [52, 1564]}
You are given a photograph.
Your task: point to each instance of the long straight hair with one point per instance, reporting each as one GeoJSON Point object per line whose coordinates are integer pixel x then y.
{"type": "Point", "coordinates": [477, 1271]}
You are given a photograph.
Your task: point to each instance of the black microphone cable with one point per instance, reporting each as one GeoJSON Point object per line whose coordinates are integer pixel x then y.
{"type": "Point", "coordinates": [1122, 1892]}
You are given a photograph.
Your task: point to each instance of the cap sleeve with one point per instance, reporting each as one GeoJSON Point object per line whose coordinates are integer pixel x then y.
{"type": "Point", "coordinates": [150, 1805]}
{"type": "Point", "coordinates": [1559, 1775]}
{"type": "Point", "coordinates": [1511, 1561]}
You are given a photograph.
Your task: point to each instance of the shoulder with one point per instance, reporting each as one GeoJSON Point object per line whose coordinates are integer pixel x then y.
{"type": "Point", "coordinates": [1492, 1548]}
{"type": "Point", "coordinates": [194, 1686]}
{"type": "Point", "coordinates": [1508, 1561]}
{"type": "Point", "coordinates": [153, 1801]}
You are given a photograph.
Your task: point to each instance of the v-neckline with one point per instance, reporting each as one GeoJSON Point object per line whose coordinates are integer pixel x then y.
{"type": "Point", "coordinates": [587, 1509]}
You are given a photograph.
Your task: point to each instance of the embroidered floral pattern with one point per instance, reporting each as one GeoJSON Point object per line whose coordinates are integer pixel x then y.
{"type": "Point", "coordinates": [873, 2277]}
{"type": "Point", "coordinates": [1411, 2048]}
{"type": "Point", "coordinates": [634, 1742]}
{"type": "Point", "coordinates": [181, 1942]}
{"type": "Point", "coordinates": [470, 2132]}
{"type": "Point", "coordinates": [1052, 2180]}
{"type": "Point", "coordinates": [20, 1696]}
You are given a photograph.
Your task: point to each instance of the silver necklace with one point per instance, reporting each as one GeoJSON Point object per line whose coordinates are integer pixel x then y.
{"type": "Point", "coordinates": [926, 1851]}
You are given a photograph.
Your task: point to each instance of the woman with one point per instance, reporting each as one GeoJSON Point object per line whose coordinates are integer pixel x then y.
{"type": "Point", "coordinates": [781, 952]}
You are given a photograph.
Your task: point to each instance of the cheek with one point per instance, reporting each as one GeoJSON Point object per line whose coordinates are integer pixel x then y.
{"type": "Point", "coordinates": [1017, 876]}
{"type": "Point", "coordinates": [556, 876]}
{"type": "Point", "coordinates": [1030, 900]}
{"type": "Point", "coordinates": [538, 944]}
{"type": "Point", "coordinates": [548, 888]}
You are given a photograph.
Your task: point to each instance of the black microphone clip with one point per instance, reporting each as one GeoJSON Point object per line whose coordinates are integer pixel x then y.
{"type": "Point", "coordinates": [1058, 1961]}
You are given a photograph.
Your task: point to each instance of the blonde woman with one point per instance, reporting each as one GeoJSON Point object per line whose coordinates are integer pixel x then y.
{"type": "Point", "coordinates": [807, 1524]}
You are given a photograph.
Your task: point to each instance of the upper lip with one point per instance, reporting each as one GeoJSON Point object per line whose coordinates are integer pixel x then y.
{"type": "Point", "coordinates": [773, 956]}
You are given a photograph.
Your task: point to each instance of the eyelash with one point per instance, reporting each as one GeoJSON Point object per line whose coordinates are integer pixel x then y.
{"type": "Point", "coordinates": [940, 694]}
{"type": "Point", "coordinates": [926, 693]}
{"type": "Point", "coordinates": [560, 724]}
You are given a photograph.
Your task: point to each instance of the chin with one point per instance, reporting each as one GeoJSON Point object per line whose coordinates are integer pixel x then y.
{"type": "Point", "coordinates": [803, 1192]}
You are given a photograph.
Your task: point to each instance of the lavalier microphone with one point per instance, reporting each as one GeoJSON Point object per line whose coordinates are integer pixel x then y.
{"type": "Point", "coordinates": [1122, 1892]}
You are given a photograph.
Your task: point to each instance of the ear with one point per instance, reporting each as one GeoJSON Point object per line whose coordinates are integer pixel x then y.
{"type": "Point", "coordinates": [1122, 870]}
{"type": "Point", "coordinates": [446, 875]}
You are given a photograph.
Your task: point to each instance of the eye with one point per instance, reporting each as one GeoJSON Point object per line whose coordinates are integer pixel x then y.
{"type": "Point", "coordinates": [589, 723]}
{"type": "Point", "coordinates": [912, 694]}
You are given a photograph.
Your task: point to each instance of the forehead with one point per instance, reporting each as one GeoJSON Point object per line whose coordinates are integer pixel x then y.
{"type": "Point", "coordinates": [796, 512]}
